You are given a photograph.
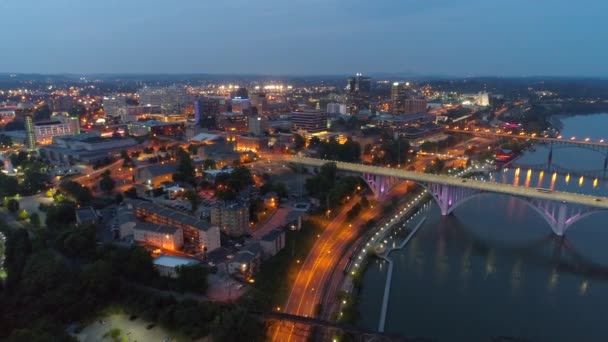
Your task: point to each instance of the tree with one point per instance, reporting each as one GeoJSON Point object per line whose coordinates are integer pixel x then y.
{"type": "Point", "coordinates": [12, 205]}
{"type": "Point", "coordinates": [194, 199]}
{"type": "Point", "coordinates": [192, 278]}
{"type": "Point", "coordinates": [42, 113]}
{"type": "Point", "coordinates": [5, 140]}
{"type": "Point", "coordinates": [185, 168]}
{"type": "Point", "coordinates": [17, 250]}
{"type": "Point", "coordinates": [209, 164]}
{"type": "Point", "coordinates": [114, 334]}
{"type": "Point", "coordinates": [60, 215]}
{"type": "Point", "coordinates": [8, 185]}
{"type": "Point", "coordinates": [23, 214]}
{"type": "Point", "coordinates": [107, 183]}
{"type": "Point", "coordinates": [131, 192]}
{"type": "Point", "coordinates": [78, 192]}
{"type": "Point", "coordinates": [35, 219]}
{"type": "Point", "coordinates": [299, 141]}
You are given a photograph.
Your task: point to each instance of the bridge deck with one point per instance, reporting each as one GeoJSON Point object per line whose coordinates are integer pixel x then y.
{"type": "Point", "coordinates": [586, 200]}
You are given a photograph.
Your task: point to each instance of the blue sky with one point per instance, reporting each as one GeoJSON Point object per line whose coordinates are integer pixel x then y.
{"type": "Point", "coordinates": [455, 37]}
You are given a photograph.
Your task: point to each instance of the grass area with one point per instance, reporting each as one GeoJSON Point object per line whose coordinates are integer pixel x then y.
{"type": "Point", "coordinates": [273, 281]}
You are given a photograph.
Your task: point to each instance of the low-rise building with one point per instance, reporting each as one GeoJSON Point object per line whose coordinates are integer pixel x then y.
{"type": "Point", "coordinates": [85, 147]}
{"type": "Point", "coordinates": [167, 265]}
{"type": "Point", "coordinates": [246, 262]}
{"type": "Point", "coordinates": [155, 175]}
{"type": "Point", "coordinates": [166, 237]}
{"type": "Point", "coordinates": [198, 235]}
{"type": "Point", "coordinates": [232, 217]}
{"type": "Point", "coordinates": [154, 128]}
{"type": "Point", "coordinates": [125, 219]}
{"type": "Point", "coordinates": [86, 215]}
{"type": "Point", "coordinates": [273, 242]}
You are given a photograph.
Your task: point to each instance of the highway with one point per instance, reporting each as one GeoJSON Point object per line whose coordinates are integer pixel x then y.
{"type": "Point", "coordinates": [507, 189]}
{"type": "Point", "coordinates": [316, 272]}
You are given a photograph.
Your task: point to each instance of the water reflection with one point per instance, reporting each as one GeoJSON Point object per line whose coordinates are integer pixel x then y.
{"type": "Point", "coordinates": [508, 270]}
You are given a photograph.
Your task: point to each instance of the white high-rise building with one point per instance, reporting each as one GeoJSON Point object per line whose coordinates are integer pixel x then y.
{"type": "Point", "coordinates": [258, 125]}
{"type": "Point", "coordinates": [336, 108]}
{"type": "Point", "coordinates": [483, 99]}
{"type": "Point", "coordinates": [114, 105]}
{"type": "Point", "coordinates": [171, 99]}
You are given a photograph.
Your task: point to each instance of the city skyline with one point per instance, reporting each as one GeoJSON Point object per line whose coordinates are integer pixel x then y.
{"type": "Point", "coordinates": [471, 38]}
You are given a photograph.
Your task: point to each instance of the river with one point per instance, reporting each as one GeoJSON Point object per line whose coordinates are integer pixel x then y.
{"type": "Point", "coordinates": [493, 268]}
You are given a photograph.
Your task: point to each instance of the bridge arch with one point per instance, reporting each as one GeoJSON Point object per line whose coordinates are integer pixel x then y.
{"type": "Point", "coordinates": [559, 216]}
{"type": "Point", "coordinates": [548, 218]}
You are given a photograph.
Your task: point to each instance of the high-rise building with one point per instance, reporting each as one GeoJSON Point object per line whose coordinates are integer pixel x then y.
{"type": "Point", "coordinates": [358, 90]}
{"type": "Point", "coordinates": [174, 99]}
{"type": "Point", "coordinates": [206, 111]}
{"type": "Point", "coordinates": [114, 105]}
{"type": "Point", "coordinates": [412, 106]}
{"type": "Point", "coordinates": [336, 108]}
{"type": "Point", "coordinates": [309, 121]}
{"type": "Point", "coordinates": [258, 125]}
{"type": "Point", "coordinates": [150, 96]}
{"type": "Point", "coordinates": [61, 103]}
{"type": "Point", "coordinates": [242, 93]}
{"type": "Point", "coordinates": [483, 99]}
{"type": "Point", "coordinates": [171, 99]}
{"type": "Point", "coordinates": [400, 92]}
{"type": "Point", "coordinates": [259, 102]}
{"type": "Point", "coordinates": [240, 105]}
{"type": "Point", "coordinates": [30, 138]}
{"type": "Point", "coordinates": [231, 217]}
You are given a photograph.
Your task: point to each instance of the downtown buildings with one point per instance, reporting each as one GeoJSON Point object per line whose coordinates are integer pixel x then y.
{"type": "Point", "coordinates": [358, 92]}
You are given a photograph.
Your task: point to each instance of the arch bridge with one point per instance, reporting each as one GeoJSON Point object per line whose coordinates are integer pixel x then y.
{"type": "Point", "coordinates": [559, 209]}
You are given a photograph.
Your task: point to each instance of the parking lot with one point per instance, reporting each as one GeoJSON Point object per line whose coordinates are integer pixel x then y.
{"type": "Point", "coordinates": [131, 330]}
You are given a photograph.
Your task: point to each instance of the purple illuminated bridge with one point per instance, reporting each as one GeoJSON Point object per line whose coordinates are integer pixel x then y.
{"type": "Point", "coordinates": [559, 209]}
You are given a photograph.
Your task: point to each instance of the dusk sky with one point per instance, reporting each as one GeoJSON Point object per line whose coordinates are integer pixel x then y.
{"type": "Point", "coordinates": [437, 37]}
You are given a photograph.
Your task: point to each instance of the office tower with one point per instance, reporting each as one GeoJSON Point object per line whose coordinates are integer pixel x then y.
{"type": "Point", "coordinates": [309, 121]}
{"type": "Point", "coordinates": [398, 97]}
{"type": "Point", "coordinates": [114, 105]}
{"type": "Point", "coordinates": [358, 90]}
{"type": "Point", "coordinates": [30, 138]}
{"type": "Point", "coordinates": [483, 99]}
{"type": "Point", "coordinates": [258, 125]}
{"type": "Point", "coordinates": [333, 108]}
{"type": "Point", "coordinates": [206, 111]}
{"type": "Point", "coordinates": [150, 96]}
{"type": "Point", "coordinates": [412, 106]}
{"type": "Point", "coordinates": [242, 93]}
{"type": "Point", "coordinates": [171, 99]}
{"type": "Point", "coordinates": [259, 102]}
{"type": "Point", "coordinates": [174, 98]}
{"type": "Point", "coordinates": [240, 105]}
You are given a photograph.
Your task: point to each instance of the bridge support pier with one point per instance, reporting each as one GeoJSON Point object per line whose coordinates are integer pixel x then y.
{"type": "Point", "coordinates": [448, 197]}
{"type": "Point", "coordinates": [380, 185]}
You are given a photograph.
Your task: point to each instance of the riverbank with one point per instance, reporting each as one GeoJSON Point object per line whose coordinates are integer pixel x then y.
{"type": "Point", "coordinates": [389, 275]}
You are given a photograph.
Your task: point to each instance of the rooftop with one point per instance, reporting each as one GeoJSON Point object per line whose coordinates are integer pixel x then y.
{"type": "Point", "coordinates": [86, 214]}
{"type": "Point", "coordinates": [155, 228]}
{"type": "Point", "coordinates": [173, 261]}
{"type": "Point", "coordinates": [272, 235]}
{"type": "Point", "coordinates": [172, 214]}
{"type": "Point", "coordinates": [160, 169]}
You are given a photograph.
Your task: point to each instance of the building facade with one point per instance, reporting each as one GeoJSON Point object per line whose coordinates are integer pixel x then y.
{"type": "Point", "coordinates": [197, 235]}
{"type": "Point", "coordinates": [358, 91]}
{"type": "Point", "coordinates": [309, 121]}
{"type": "Point", "coordinates": [258, 125]}
{"type": "Point", "coordinates": [231, 217]}
{"type": "Point", "coordinates": [170, 238]}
